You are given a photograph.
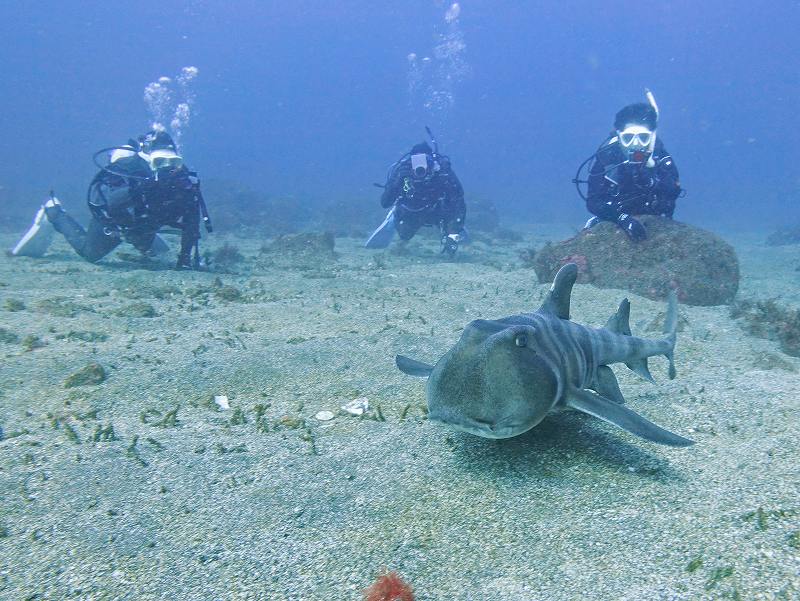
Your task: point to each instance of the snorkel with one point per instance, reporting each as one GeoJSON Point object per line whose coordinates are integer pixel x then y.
{"type": "Point", "coordinates": [652, 100]}
{"type": "Point", "coordinates": [433, 141]}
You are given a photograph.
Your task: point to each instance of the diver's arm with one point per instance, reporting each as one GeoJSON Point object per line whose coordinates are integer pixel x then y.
{"type": "Point", "coordinates": [393, 190]}
{"type": "Point", "coordinates": [668, 186]}
{"type": "Point", "coordinates": [600, 201]}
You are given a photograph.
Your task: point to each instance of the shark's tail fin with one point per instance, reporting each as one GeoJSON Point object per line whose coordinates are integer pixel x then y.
{"type": "Point", "coordinates": [670, 330]}
{"type": "Point", "coordinates": [619, 323]}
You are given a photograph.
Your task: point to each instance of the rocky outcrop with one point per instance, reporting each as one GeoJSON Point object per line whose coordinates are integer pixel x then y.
{"type": "Point", "coordinates": [701, 267]}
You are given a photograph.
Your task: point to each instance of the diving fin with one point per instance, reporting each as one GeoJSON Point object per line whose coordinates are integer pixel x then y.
{"type": "Point", "coordinates": [619, 415]}
{"type": "Point", "coordinates": [382, 237]}
{"type": "Point", "coordinates": [36, 241]}
{"type": "Point", "coordinates": [159, 246]}
{"type": "Point", "coordinates": [412, 367]}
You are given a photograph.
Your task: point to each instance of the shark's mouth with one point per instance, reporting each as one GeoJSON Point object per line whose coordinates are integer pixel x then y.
{"type": "Point", "coordinates": [485, 429]}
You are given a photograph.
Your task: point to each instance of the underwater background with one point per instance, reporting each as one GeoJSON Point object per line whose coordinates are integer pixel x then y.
{"type": "Point", "coordinates": [316, 99]}
{"type": "Point", "coordinates": [243, 432]}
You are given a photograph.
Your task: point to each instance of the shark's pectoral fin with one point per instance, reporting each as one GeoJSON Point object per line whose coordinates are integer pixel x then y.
{"type": "Point", "coordinates": [413, 367]}
{"type": "Point", "coordinates": [613, 413]}
{"type": "Point", "coordinates": [605, 384]}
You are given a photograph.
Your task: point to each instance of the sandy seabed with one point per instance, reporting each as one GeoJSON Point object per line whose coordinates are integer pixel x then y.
{"type": "Point", "coordinates": [141, 487]}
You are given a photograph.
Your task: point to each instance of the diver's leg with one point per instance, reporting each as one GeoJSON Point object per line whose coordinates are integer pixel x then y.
{"type": "Point", "coordinates": [190, 234]}
{"type": "Point", "coordinates": [100, 240]}
{"type": "Point", "coordinates": [93, 244]}
{"type": "Point", "coordinates": [406, 224]}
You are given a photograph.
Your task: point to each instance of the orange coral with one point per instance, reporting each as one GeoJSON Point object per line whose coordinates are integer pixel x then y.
{"type": "Point", "coordinates": [389, 586]}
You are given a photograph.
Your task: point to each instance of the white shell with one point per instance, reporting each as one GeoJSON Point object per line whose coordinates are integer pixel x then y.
{"type": "Point", "coordinates": [358, 406]}
{"type": "Point", "coordinates": [325, 416]}
{"type": "Point", "coordinates": [222, 401]}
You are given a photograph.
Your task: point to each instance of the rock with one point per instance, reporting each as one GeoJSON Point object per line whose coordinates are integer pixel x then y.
{"type": "Point", "coordinates": [94, 373]}
{"type": "Point", "coordinates": [700, 266]}
{"type": "Point", "coordinates": [137, 310]}
{"type": "Point", "coordinates": [324, 416]}
{"type": "Point", "coordinates": [785, 235]}
{"type": "Point", "coordinates": [310, 243]}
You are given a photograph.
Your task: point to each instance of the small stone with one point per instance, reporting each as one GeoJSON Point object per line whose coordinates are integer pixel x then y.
{"type": "Point", "coordinates": [94, 373]}
{"type": "Point", "coordinates": [357, 406]}
{"type": "Point", "coordinates": [324, 416]}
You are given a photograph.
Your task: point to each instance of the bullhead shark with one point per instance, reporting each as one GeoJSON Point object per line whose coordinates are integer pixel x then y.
{"type": "Point", "coordinates": [504, 376]}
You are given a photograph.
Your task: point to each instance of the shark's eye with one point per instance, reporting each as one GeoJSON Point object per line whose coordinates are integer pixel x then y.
{"type": "Point", "coordinates": [521, 340]}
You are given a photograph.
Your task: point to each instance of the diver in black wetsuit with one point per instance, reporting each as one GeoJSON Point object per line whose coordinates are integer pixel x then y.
{"type": "Point", "coordinates": [144, 187]}
{"type": "Point", "coordinates": [632, 173]}
{"type": "Point", "coordinates": [424, 190]}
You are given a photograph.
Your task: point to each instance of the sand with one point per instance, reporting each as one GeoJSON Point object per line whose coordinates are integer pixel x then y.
{"type": "Point", "coordinates": [108, 492]}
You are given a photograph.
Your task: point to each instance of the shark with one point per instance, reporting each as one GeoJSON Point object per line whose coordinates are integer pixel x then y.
{"type": "Point", "coordinates": [504, 376]}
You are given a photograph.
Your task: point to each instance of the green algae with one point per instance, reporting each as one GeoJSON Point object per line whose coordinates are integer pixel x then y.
{"type": "Point", "coordinates": [695, 564]}
{"type": "Point", "coordinates": [106, 434]}
{"type": "Point", "coordinates": [8, 336]}
{"type": "Point", "coordinates": [32, 342]}
{"type": "Point", "coordinates": [74, 336]}
{"type": "Point", "coordinates": [13, 305]}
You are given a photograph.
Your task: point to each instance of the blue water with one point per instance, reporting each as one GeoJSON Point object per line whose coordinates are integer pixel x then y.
{"type": "Point", "coordinates": [313, 99]}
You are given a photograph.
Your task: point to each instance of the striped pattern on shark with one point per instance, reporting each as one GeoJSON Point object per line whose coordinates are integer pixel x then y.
{"type": "Point", "coordinates": [504, 376]}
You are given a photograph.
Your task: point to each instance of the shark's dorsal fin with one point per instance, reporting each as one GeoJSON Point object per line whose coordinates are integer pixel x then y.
{"type": "Point", "coordinates": [557, 301]}
{"type": "Point", "coordinates": [619, 323]}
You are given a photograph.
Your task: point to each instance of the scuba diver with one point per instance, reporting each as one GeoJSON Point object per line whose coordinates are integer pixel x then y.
{"type": "Point", "coordinates": [422, 190]}
{"type": "Point", "coordinates": [144, 186]}
{"type": "Point", "coordinates": [631, 173]}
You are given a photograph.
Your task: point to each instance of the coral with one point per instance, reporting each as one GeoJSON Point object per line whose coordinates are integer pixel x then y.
{"type": "Point", "coordinates": [389, 586]}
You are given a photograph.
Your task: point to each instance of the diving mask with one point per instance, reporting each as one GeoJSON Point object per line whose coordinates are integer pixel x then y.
{"type": "Point", "coordinates": [419, 165]}
{"type": "Point", "coordinates": [637, 142]}
{"type": "Point", "coordinates": [164, 159]}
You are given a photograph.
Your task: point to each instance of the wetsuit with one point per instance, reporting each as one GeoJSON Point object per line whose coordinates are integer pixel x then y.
{"type": "Point", "coordinates": [133, 210]}
{"type": "Point", "coordinates": [632, 188]}
{"type": "Point", "coordinates": [436, 199]}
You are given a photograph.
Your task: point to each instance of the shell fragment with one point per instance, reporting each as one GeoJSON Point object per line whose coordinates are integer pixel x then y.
{"type": "Point", "coordinates": [222, 401]}
{"type": "Point", "coordinates": [358, 406]}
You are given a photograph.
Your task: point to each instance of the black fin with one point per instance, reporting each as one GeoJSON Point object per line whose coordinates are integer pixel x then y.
{"type": "Point", "coordinates": [413, 367]}
{"type": "Point", "coordinates": [557, 301]}
{"type": "Point", "coordinates": [605, 384]}
{"type": "Point", "coordinates": [619, 323]}
{"type": "Point", "coordinates": [619, 415]}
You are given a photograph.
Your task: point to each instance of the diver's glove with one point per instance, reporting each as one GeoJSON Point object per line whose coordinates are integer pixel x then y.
{"type": "Point", "coordinates": [632, 227]}
{"type": "Point", "coordinates": [450, 244]}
